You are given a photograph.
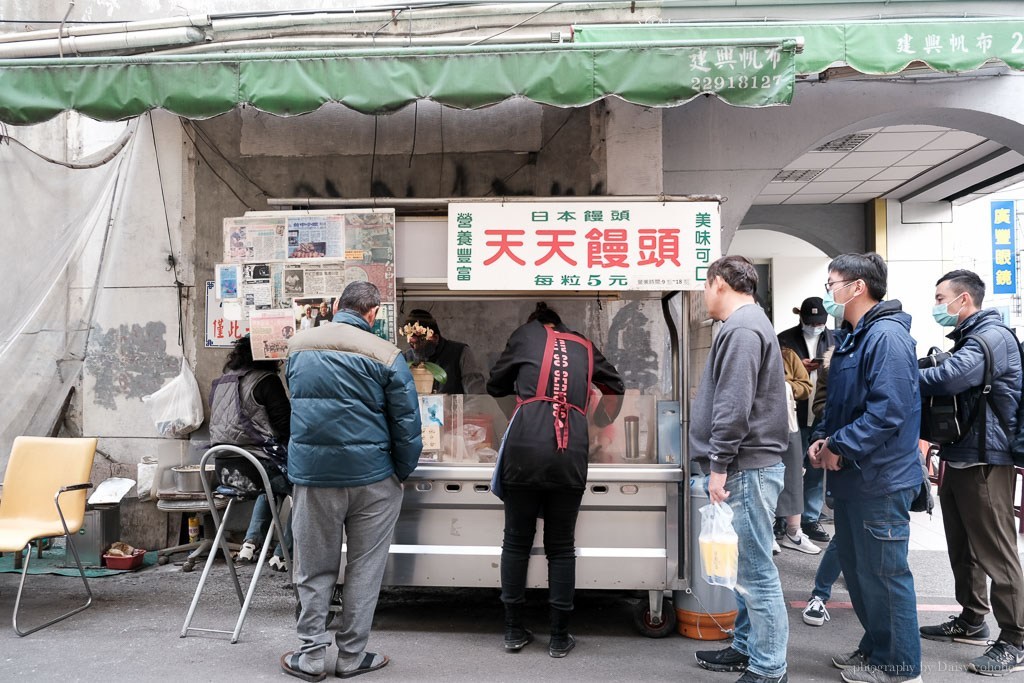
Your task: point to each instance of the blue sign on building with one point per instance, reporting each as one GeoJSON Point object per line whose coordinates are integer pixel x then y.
{"type": "Point", "coordinates": [1004, 248]}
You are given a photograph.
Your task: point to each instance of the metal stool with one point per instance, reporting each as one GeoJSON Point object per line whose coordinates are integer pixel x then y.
{"type": "Point", "coordinates": [219, 542]}
{"type": "Point", "coordinates": [196, 549]}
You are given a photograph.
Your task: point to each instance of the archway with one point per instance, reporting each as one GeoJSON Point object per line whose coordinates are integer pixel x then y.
{"type": "Point", "coordinates": [796, 268]}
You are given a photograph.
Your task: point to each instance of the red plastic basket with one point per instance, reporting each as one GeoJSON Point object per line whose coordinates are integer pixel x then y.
{"type": "Point", "coordinates": [133, 561]}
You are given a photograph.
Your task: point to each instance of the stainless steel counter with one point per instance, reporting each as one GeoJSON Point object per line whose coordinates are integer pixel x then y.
{"type": "Point", "coordinates": [450, 531]}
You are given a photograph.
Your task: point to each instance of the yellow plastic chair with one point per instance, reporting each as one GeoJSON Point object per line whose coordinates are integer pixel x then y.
{"type": "Point", "coordinates": [40, 471]}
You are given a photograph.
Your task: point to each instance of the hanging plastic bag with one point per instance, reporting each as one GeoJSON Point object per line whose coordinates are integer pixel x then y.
{"type": "Point", "coordinates": [719, 546]}
{"type": "Point", "coordinates": [177, 408]}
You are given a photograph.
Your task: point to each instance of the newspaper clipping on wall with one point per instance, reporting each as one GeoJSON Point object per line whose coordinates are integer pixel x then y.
{"type": "Point", "coordinates": [298, 265]}
{"type": "Point", "coordinates": [254, 239]}
{"type": "Point", "coordinates": [270, 332]}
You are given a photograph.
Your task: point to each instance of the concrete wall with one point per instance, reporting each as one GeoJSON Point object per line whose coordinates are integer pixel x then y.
{"type": "Point", "coordinates": [831, 229]}
{"type": "Point", "coordinates": [566, 158]}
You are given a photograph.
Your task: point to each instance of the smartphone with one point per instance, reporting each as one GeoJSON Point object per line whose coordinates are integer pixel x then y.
{"type": "Point", "coordinates": [819, 360]}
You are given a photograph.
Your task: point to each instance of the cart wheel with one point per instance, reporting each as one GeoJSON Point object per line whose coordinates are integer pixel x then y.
{"type": "Point", "coordinates": [162, 560]}
{"type": "Point", "coordinates": [645, 624]}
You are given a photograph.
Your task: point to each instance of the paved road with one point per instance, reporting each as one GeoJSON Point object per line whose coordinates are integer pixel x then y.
{"type": "Point", "coordinates": [131, 632]}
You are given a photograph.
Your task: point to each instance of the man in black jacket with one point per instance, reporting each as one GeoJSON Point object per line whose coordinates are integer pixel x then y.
{"type": "Point", "coordinates": [811, 339]}
{"type": "Point", "coordinates": [977, 491]}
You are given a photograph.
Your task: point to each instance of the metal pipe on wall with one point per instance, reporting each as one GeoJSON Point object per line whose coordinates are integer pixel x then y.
{"type": "Point", "coordinates": [343, 42]}
{"type": "Point", "coordinates": [443, 202]}
{"type": "Point", "coordinates": [193, 20]}
{"type": "Point", "coordinates": [74, 45]}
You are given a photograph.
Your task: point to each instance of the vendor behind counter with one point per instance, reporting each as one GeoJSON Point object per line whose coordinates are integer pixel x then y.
{"type": "Point", "coordinates": [455, 358]}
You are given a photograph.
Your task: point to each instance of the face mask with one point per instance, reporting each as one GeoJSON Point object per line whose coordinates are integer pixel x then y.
{"type": "Point", "coordinates": [811, 330]}
{"type": "Point", "coordinates": [943, 317]}
{"type": "Point", "coordinates": [832, 308]}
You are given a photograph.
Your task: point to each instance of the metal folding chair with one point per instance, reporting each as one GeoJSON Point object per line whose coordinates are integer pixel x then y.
{"type": "Point", "coordinates": [219, 542]}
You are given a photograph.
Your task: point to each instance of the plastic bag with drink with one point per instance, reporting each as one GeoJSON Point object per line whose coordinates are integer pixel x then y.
{"type": "Point", "coordinates": [719, 545]}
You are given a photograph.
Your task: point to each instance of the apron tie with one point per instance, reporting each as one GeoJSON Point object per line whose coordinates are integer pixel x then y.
{"type": "Point", "coordinates": [561, 415]}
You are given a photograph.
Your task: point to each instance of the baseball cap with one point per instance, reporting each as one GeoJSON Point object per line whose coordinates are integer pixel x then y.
{"type": "Point", "coordinates": [812, 310]}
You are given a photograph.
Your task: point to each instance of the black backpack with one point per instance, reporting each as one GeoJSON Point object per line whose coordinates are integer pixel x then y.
{"type": "Point", "coordinates": [945, 419]}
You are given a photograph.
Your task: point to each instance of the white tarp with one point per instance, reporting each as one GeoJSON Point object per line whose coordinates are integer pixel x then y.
{"type": "Point", "coordinates": [53, 222]}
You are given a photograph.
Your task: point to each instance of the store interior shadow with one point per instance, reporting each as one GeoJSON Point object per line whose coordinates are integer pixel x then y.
{"type": "Point", "coordinates": [472, 610]}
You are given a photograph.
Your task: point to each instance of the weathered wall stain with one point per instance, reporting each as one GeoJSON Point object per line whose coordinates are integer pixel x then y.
{"type": "Point", "coordinates": [630, 348]}
{"type": "Point", "coordinates": [129, 361]}
{"type": "Point", "coordinates": [499, 188]}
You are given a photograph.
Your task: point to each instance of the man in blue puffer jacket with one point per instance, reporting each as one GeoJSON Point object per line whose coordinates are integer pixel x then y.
{"type": "Point", "coordinates": [977, 492]}
{"type": "Point", "coordinates": [355, 437]}
{"type": "Point", "coordinates": [868, 440]}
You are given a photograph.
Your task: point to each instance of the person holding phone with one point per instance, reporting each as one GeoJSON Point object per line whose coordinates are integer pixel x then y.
{"type": "Point", "coordinates": [811, 340]}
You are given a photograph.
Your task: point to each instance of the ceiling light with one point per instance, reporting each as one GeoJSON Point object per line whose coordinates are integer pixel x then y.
{"type": "Point", "coordinates": [796, 175]}
{"type": "Point", "coordinates": [847, 143]}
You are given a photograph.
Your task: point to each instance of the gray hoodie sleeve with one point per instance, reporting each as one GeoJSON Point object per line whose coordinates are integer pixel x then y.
{"type": "Point", "coordinates": [735, 384]}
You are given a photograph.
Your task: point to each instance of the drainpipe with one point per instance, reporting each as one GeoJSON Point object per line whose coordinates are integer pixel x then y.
{"type": "Point", "coordinates": [75, 45]}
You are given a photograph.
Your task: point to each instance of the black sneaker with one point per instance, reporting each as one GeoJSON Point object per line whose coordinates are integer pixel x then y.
{"type": "Point", "coordinates": [779, 528]}
{"type": "Point", "coordinates": [815, 532]}
{"type": "Point", "coordinates": [751, 677]}
{"type": "Point", "coordinates": [1000, 659]}
{"type": "Point", "coordinates": [956, 630]}
{"type": "Point", "coordinates": [722, 660]}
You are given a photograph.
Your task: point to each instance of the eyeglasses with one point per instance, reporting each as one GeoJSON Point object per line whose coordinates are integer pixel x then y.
{"type": "Point", "coordinates": [829, 286]}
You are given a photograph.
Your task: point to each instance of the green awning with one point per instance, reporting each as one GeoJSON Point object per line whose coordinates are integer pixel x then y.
{"type": "Point", "coordinates": [658, 73]}
{"type": "Point", "coordinates": [871, 47]}
{"type": "Point", "coordinates": [661, 65]}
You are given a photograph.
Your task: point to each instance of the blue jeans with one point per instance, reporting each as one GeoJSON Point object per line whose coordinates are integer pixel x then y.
{"type": "Point", "coordinates": [814, 489]}
{"type": "Point", "coordinates": [762, 625]}
{"type": "Point", "coordinates": [873, 537]}
{"type": "Point", "coordinates": [261, 519]}
{"type": "Point", "coordinates": [828, 572]}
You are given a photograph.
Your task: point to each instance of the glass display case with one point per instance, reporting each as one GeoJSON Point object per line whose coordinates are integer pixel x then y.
{"type": "Point", "coordinates": [467, 429]}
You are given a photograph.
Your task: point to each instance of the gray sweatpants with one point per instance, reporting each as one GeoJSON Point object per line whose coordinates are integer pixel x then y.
{"type": "Point", "coordinates": [365, 516]}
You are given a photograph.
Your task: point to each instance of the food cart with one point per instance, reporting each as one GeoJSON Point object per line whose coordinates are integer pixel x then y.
{"type": "Point", "coordinates": [631, 529]}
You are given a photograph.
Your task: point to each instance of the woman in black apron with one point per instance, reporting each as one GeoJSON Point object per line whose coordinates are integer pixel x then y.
{"type": "Point", "coordinates": [543, 463]}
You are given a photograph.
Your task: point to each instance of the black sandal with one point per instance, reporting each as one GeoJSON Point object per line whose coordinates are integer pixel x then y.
{"type": "Point", "coordinates": [365, 666]}
{"type": "Point", "coordinates": [290, 665]}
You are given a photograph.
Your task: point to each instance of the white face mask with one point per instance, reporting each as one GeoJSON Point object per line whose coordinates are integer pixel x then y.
{"type": "Point", "coordinates": [812, 330]}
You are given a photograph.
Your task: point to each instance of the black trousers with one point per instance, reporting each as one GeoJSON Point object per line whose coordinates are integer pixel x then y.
{"type": "Point", "coordinates": [981, 535]}
{"type": "Point", "coordinates": [559, 508]}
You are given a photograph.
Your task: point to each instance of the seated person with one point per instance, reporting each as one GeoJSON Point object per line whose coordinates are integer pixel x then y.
{"type": "Point", "coordinates": [455, 358]}
{"type": "Point", "coordinates": [249, 408]}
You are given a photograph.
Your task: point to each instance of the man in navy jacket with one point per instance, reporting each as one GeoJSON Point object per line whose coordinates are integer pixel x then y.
{"type": "Point", "coordinates": [868, 440]}
{"type": "Point", "coordinates": [977, 493]}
